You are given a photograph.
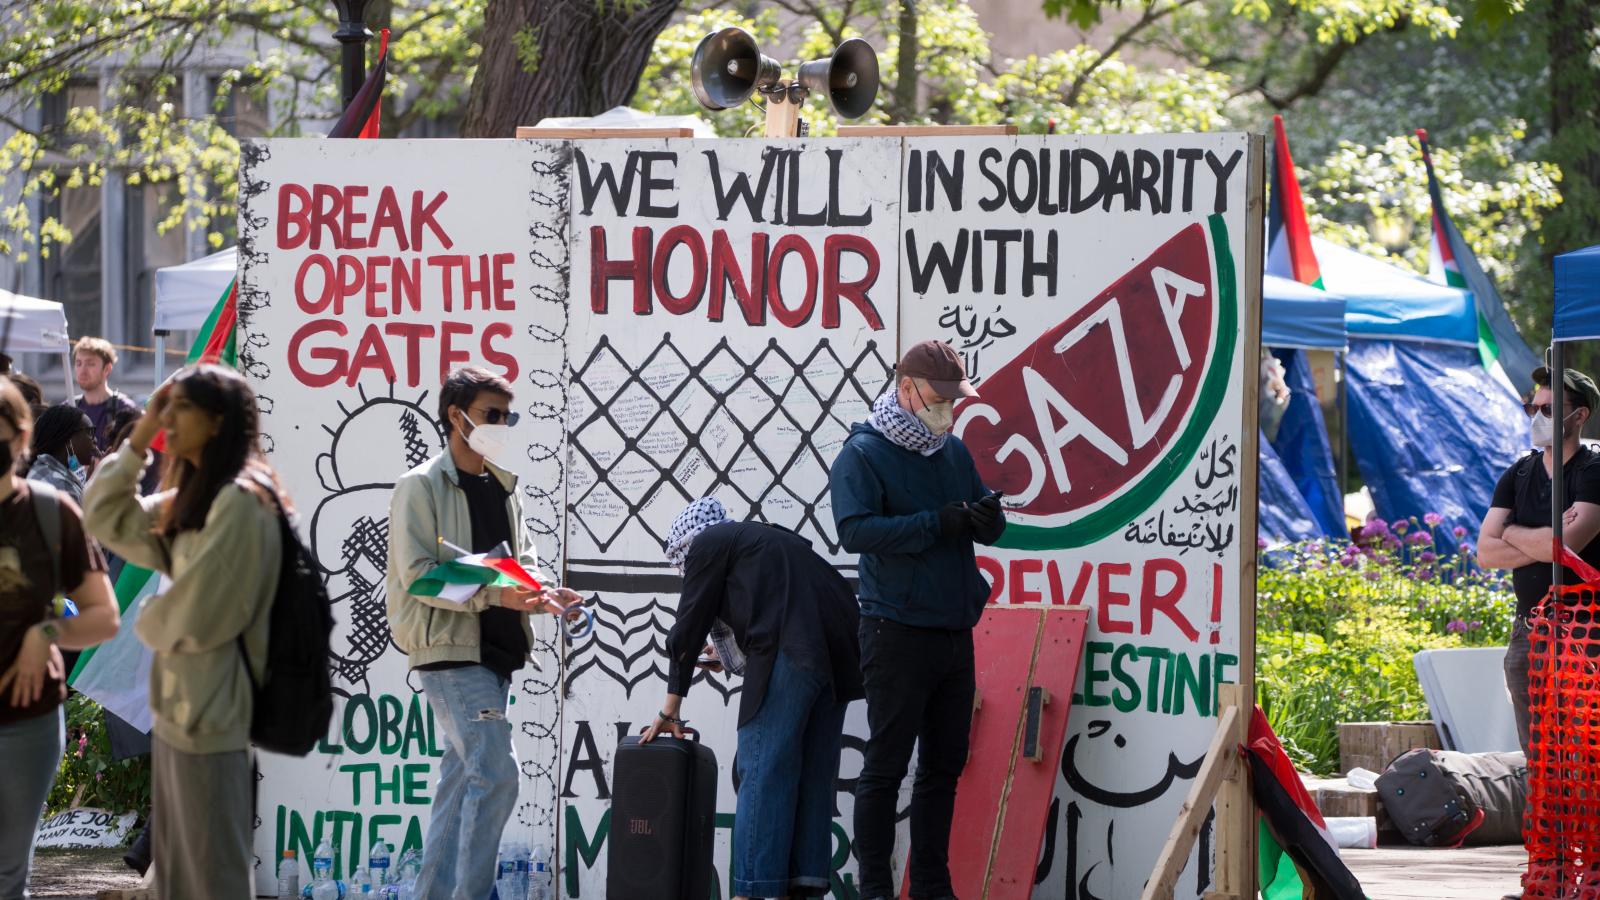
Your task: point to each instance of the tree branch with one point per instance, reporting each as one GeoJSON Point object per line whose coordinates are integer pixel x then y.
{"type": "Point", "coordinates": [1153, 13]}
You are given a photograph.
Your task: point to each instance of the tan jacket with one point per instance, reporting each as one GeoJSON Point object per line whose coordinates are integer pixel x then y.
{"type": "Point", "coordinates": [224, 577]}
{"type": "Point", "coordinates": [428, 504]}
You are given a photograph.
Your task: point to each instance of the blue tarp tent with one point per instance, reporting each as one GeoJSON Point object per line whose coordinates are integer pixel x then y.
{"type": "Point", "coordinates": [1296, 318]}
{"type": "Point", "coordinates": [1282, 514]}
{"type": "Point", "coordinates": [1577, 298]}
{"type": "Point", "coordinates": [1430, 428]}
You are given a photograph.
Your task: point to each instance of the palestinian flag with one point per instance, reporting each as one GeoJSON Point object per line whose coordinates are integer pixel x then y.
{"type": "Point", "coordinates": [457, 579]}
{"type": "Point", "coordinates": [360, 118]}
{"type": "Point", "coordinates": [1297, 855]}
{"type": "Point", "coordinates": [116, 674]}
{"type": "Point", "coordinates": [1451, 262]}
{"type": "Point", "coordinates": [1289, 251]}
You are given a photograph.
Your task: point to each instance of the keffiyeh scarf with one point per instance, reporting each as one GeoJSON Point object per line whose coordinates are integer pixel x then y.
{"type": "Point", "coordinates": [902, 428]}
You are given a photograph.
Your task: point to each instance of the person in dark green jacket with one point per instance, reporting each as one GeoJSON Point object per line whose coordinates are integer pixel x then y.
{"type": "Point", "coordinates": [907, 497]}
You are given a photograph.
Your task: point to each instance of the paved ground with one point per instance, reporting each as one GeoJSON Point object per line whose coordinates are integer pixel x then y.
{"type": "Point", "coordinates": [1406, 872]}
{"type": "Point", "coordinates": [79, 874]}
{"type": "Point", "coordinates": [1388, 873]}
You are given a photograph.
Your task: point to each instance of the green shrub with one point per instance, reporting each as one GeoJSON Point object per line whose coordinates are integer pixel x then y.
{"type": "Point", "coordinates": [88, 776]}
{"type": "Point", "coordinates": [1337, 625]}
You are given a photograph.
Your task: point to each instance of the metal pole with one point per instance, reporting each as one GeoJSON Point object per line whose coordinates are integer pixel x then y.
{"type": "Point", "coordinates": [1344, 430]}
{"type": "Point", "coordinates": [352, 36]}
{"type": "Point", "coordinates": [1558, 480]}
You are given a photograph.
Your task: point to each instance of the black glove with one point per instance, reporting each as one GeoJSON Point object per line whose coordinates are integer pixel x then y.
{"type": "Point", "coordinates": [988, 522]}
{"type": "Point", "coordinates": [955, 521]}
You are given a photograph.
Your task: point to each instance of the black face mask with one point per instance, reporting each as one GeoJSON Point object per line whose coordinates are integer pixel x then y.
{"type": "Point", "coordinates": [6, 460]}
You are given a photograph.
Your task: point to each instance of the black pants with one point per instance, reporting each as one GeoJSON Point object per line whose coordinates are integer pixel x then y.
{"type": "Point", "coordinates": [919, 685]}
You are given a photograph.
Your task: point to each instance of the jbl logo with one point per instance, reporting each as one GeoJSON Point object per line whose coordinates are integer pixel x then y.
{"type": "Point", "coordinates": [639, 826]}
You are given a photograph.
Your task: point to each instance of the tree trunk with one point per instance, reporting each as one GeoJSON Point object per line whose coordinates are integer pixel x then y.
{"type": "Point", "coordinates": [1575, 121]}
{"type": "Point", "coordinates": [586, 58]}
{"type": "Point", "coordinates": [903, 105]}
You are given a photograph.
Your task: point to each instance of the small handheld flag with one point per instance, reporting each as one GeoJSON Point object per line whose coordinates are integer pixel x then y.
{"type": "Point", "coordinates": [457, 579]}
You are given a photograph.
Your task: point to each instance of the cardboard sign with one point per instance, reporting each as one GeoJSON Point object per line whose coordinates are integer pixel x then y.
{"type": "Point", "coordinates": [85, 828]}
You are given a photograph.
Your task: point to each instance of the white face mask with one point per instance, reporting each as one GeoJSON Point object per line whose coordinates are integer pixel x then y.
{"type": "Point", "coordinates": [488, 441]}
{"type": "Point", "coordinates": [1542, 430]}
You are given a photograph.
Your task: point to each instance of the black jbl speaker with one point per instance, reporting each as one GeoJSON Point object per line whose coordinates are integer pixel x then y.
{"type": "Point", "coordinates": [663, 820]}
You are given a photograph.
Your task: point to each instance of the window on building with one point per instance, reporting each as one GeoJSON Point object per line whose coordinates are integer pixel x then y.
{"type": "Point", "coordinates": [243, 114]}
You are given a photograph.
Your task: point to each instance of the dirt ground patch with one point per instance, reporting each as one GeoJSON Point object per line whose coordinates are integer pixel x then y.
{"type": "Point", "coordinates": [79, 874]}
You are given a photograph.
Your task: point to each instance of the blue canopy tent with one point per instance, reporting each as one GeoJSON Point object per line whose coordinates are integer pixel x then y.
{"type": "Point", "coordinates": [1577, 299]}
{"type": "Point", "coordinates": [1577, 317]}
{"type": "Point", "coordinates": [1430, 429]}
{"type": "Point", "coordinates": [1296, 318]}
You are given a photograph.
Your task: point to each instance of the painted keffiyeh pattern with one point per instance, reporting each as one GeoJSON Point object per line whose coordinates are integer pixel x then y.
{"type": "Point", "coordinates": [700, 515]}
{"type": "Point", "coordinates": [902, 428]}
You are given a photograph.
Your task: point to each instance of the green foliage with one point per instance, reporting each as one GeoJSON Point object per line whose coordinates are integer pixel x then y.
{"type": "Point", "coordinates": [1496, 195]}
{"type": "Point", "coordinates": [140, 128]}
{"type": "Point", "coordinates": [1337, 625]}
{"type": "Point", "coordinates": [88, 776]}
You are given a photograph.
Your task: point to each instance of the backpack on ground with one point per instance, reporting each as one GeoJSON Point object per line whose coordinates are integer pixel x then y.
{"type": "Point", "coordinates": [1445, 798]}
{"type": "Point", "coordinates": [294, 699]}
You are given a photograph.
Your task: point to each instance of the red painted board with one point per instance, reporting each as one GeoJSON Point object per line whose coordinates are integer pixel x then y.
{"type": "Point", "coordinates": [1007, 643]}
{"type": "Point", "coordinates": [1028, 802]}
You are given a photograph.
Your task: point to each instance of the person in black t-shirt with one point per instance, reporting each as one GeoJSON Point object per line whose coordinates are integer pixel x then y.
{"type": "Point", "coordinates": [1516, 532]}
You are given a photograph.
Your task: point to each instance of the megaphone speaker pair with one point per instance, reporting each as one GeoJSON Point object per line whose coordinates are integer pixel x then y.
{"type": "Point", "coordinates": [728, 67]}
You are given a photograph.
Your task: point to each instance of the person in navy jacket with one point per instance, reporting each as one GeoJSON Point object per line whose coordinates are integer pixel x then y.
{"type": "Point", "coordinates": [907, 497]}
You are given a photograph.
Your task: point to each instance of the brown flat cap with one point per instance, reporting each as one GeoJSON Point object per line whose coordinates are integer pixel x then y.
{"type": "Point", "coordinates": [940, 365]}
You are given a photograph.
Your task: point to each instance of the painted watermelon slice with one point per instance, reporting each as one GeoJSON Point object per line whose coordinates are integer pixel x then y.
{"type": "Point", "coordinates": [1089, 425]}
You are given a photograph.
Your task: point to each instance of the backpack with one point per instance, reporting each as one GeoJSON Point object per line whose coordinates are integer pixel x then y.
{"type": "Point", "coordinates": [294, 699]}
{"type": "Point", "coordinates": [1443, 797]}
{"type": "Point", "coordinates": [47, 512]}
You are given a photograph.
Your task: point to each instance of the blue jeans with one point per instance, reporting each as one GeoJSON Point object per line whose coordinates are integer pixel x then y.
{"type": "Point", "coordinates": [787, 764]}
{"type": "Point", "coordinates": [477, 788]}
{"type": "Point", "coordinates": [31, 751]}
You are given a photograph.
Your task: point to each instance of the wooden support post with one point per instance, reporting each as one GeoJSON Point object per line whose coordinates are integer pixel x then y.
{"type": "Point", "coordinates": [1222, 757]}
{"type": "Point", "coordinates": [783, 117]}
{"type": "Point", "coordinates": [1234, 871]}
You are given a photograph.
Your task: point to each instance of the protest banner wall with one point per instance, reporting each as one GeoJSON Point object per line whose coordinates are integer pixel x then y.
{"type": "Point", "coordinates": [684, 318]}
{"type": "Point", "coordinates": [733, 311]}
{"type": "Point", "coordinates": [1094, 286]}
{"type": "Point", "coordinates": [369, 270]}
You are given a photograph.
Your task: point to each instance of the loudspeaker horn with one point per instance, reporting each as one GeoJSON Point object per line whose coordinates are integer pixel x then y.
{"type": "Point", "coordinates": [849, 78]}
{"type": "Point", "coordinates": [727, 67]}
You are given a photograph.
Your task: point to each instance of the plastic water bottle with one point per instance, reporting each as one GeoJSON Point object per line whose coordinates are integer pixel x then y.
{"type": "Point", "coordinates": [540, 884]}
{"type": "Point", "coordinates": [360, 882]}
{"type": "Point", "coordinates": [378, 863]}
{"type": "Point", "coordinates": [322, 884]}
{"type": "Point", "coordinates": [505, 871]}
{"type": "Point", "coordinates": [289, 877]}
{"type": "Point", "coordinates": [524, 870]}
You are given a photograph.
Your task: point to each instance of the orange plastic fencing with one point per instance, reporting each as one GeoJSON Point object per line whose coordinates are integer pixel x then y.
{"type": "Point", "coordinates": [1562, 825]}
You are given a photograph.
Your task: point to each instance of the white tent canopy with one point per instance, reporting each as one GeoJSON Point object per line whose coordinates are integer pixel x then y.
{"type": "Point", "coordinates": [627, 117]}
{"type": "Point", "coordinates": [186, 294]}
{"type": "Point", "coordinates": [31, 325]}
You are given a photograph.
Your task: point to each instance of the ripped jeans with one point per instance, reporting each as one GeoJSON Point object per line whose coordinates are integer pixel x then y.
{"type": "Point", "coordinates": [477, 788]}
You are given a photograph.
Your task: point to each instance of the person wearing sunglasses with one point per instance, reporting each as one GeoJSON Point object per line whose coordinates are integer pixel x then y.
{"type": "Point", "coordinates": [1516, 531]}
{"type": "Point", "coordinates": [465, 651]}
